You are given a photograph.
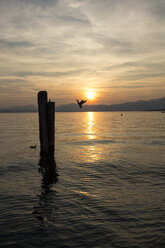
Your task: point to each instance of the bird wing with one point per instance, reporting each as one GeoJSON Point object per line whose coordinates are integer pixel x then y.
{"type": "Point", "coordinates": [83, 101]}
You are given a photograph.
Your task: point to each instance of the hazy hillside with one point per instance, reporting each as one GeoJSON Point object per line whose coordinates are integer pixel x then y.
{"type": "Point", "coordinates": [20, 109]}
{"type": "Point", "coordinates": [155, 104]}
{"type": "Point", "coordinates": [151, 105]}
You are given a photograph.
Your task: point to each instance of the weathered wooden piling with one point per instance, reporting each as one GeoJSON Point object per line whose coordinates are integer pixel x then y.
{"type": "Point", "coordinates": [50, 123]}
{"type": "Point", "coordinates": [46, 124]}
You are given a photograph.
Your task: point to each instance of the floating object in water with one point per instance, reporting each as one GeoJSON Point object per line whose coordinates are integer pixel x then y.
{"type": "Point", "coordinates": [81, 102]}
{"type": "Point", "coordinates": [33, 147]}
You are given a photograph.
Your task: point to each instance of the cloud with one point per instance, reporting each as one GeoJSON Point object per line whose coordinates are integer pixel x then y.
{"type": "Point", "coordinates": [82, 42]}
{"type": "Point", "coordinates": [11, 86]}
{"type": "Point", "coordinates": [54, 74]}
{"type": "Point", "coordinates": [15, 44]}
{"type": "Point", "coordinates": [131, 86]}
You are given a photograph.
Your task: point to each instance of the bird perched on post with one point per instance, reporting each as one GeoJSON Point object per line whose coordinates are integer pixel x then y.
{"type": "Point", "coordinates": [33, 147]}
{"type": "Point", "coordinates": [81, 102]}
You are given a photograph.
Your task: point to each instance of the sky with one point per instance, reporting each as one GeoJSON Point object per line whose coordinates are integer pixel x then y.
{"type": "Point", "coordinates": [114, 48]}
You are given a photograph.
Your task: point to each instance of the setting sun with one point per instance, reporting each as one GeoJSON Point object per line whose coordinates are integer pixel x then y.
{"type": "Point", "coordinates": [90, 95]}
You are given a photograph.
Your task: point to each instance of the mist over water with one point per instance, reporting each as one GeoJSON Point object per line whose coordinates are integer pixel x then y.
{"type": "Point", "coordinates": [105, 187]}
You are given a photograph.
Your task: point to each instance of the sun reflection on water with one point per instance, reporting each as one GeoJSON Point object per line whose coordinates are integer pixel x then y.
{"type": "Point", "coordinates": [91, 127]}
{"type": "Point", "coordinates": [91, 132]}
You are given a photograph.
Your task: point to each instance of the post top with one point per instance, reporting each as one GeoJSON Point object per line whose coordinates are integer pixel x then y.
{"type": "Point", "coordinates": [43, 92]}
{"type": "Point", "coordinates": [42, 96]}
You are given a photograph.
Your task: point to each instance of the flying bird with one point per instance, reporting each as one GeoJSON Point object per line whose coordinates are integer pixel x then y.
{"type": "Point", "coordinates": [81, 102]}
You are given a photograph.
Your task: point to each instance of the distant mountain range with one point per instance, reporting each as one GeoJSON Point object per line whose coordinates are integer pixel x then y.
{"type": "Point", "coordinates": [150, 105]}
{"type": "Point", "coordinates": [19, 109]}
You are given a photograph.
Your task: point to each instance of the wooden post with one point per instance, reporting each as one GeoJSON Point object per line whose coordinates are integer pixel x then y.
{"type": "Point", "coordinates": [50, 123]}
{"type": "Point", "coordinates": [46, 124]}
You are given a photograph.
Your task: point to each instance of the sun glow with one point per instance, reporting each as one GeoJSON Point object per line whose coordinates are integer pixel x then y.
{"type": "Point", "coordinates": [90, 95]}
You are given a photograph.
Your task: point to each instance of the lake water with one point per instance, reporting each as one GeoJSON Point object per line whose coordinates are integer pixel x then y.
{"type": "Point", "coordinates": [106, 190]}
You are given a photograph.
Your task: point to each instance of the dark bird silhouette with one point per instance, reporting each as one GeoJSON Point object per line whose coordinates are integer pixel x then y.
{"type": "Point", "coordinates": [33, 147]}
{"type": "Point", "coordinates": [81, 102]}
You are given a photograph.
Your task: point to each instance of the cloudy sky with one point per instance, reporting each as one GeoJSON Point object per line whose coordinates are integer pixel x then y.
{"type": "Point", "coordinates": [115, 48]}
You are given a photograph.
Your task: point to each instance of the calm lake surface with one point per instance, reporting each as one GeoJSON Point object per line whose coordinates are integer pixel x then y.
{"type": "Point", "coordinates": [107, 189]}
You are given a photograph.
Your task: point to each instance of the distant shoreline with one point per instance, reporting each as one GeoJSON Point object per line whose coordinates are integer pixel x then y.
{"type": "Point", "coordinates": [149, 105]}
{"type": "Point", "coordinates": [19, 112]}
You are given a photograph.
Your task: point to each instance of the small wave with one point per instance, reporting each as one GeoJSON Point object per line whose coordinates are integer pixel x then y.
{"type": "Point", "coordinates": [93, 142]}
